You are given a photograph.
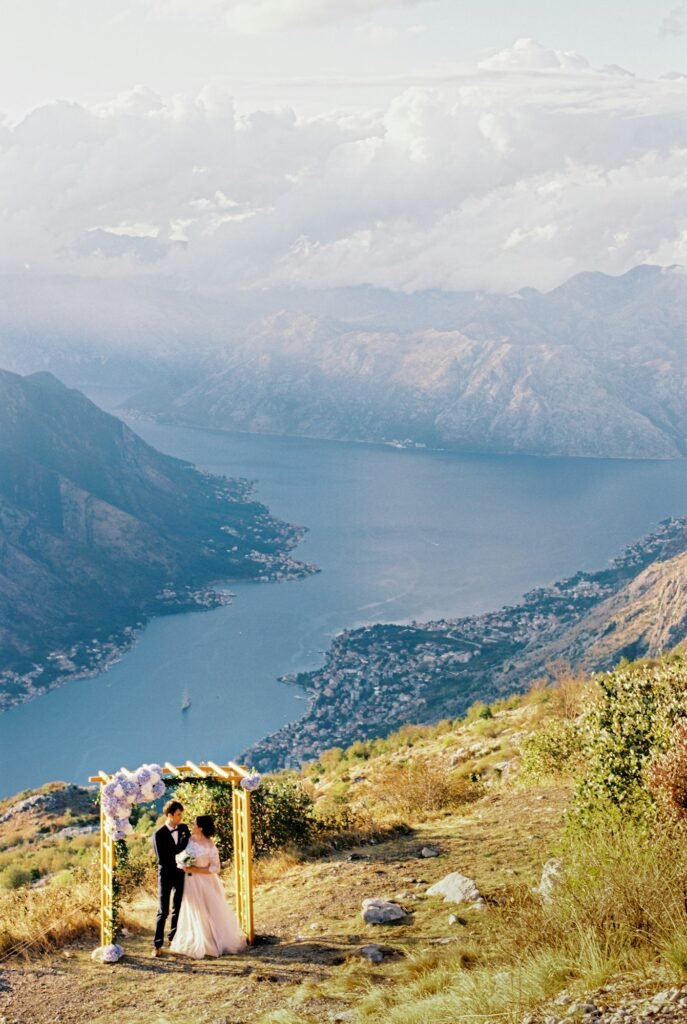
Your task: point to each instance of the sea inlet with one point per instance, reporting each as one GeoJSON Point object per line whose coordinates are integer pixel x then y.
{"type": "Point", "coordinates": [399, 535]}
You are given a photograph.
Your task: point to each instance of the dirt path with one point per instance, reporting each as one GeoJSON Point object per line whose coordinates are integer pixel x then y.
{"type": "Point", "coordinates": [313, 916]}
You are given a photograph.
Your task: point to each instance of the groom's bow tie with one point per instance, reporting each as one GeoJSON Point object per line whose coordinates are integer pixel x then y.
{"type": "Point", "coordinates": [175, 829]}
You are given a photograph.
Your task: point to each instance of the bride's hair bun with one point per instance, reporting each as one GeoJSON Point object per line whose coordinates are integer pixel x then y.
{"type": "Point", "coordinates": [206, 825]}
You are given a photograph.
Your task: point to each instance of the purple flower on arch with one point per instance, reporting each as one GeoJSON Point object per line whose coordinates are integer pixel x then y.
{"type": "Point", "coordinates": [250, 782]}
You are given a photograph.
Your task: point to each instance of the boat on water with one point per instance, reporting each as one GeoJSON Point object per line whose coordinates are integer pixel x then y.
{"type": "Point", "coordinates": [185, 700]}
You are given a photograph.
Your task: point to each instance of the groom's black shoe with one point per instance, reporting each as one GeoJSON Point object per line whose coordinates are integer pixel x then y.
{"type": "Point", "coordinates": [157, 951]}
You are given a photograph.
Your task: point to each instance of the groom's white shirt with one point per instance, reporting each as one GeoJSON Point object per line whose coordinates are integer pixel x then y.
{"type": "Point", "coordinates": [174, 829]}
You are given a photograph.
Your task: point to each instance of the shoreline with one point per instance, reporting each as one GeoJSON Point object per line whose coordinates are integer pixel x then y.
{"type": "Point", "coordinates": [379, 677]}
{"type": "Point", "coordinates": [88, 659]}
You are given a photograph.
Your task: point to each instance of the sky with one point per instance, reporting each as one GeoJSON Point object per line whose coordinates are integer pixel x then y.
{"type": "Point", "coordinates": [218, 145]}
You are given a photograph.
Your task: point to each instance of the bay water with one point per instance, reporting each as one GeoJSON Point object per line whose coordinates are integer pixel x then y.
{"type": "Point", "coordinates": [398, 535]}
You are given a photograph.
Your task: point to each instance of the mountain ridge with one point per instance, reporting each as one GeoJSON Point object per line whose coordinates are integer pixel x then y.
{"type": "Point", "coordinates": [100, 531]}
{"type": "Point", "coordinates": [595, 368]}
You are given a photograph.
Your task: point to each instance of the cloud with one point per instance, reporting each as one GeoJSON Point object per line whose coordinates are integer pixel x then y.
{"type": "Point", "coordinates": [257, 16]}
{"type": "Point", "coordinates": [523, 171]}
{"type": "Point", "coordinates": [529, 55]}
{"type": "Point", "coordinates": [674, 22]}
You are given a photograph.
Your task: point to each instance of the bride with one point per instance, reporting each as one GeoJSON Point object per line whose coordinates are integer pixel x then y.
{"type": "Point", "coordinates": [207, 924]}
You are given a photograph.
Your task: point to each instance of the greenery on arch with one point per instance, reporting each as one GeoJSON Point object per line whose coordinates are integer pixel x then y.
{"type": "Point", "coordinates": [282, 812]}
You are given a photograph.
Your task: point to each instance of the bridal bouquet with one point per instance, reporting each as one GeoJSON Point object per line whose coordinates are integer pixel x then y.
{"type": "Point", "coordinates": [184, 859]}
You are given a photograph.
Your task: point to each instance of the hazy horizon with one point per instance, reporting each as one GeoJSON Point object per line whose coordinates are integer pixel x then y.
{"type": "Point", "coordinates": [196, 150]}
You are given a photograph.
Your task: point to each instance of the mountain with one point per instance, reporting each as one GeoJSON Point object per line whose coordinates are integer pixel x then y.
{"type": "Point", "coordinates": [98, 531]}
{"type": "Point", "coordinates": [595, 368]}
{"type": "Point", "coordinates": [377, 677]}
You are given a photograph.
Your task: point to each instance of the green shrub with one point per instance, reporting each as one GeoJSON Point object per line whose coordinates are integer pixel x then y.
{"type": "Point", "coordinates": [630, 722]}
{"type": "Point", "coordinates": [554, 749]}
{"type": "Point", "coordinates": [63, 879]}
{"type": "Point", "coordinates": [15, 877]}
{"type": "Point", "coordinates": [476, 711]}
{"type": "Point", "coordinates": [281, 812]}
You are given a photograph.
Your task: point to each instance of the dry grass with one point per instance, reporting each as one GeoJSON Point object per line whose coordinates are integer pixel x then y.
{"type": "Point", "coordinates": [620, 912]}
{"type": "Point", "coordinates": [35, 920]}
{"type": "Point", "coordinates": [421, 786]}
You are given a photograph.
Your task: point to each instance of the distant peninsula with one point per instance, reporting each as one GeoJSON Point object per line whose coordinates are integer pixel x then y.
{"type": "Point", "coordinates": [99, 532]}
{"type": "Point", "coordinates": [379, 677]}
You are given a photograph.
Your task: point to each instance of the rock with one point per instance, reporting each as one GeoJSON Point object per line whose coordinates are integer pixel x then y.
{"type": "Point", "coordinates": [452, 919]}
{"type": "Point", "coordinates": [430, 851]}
{"type": "Point", "coordinates": [505, 769]}
{"type": "Point", "coordinates": [377, 911]}
{"type": "Point", "coordinates": [372, 953]}
{"type": "Point", "coordinates": [459, 756]}
{"type": "Point", "coordinates": [357, 856]}
{"type": "Point", "coordinates": [456, 888]}
{"type": "Point", "coordinates": [550, 879]}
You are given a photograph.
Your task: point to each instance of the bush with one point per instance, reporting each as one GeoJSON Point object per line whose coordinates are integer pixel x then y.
{"type": "Point", "coordinates": [667, 775]}
{"type": "Point", "coordinates": [281, 812]}
{"type": "Point", "coordinates": [15, 877]}
{"type": "Point", "coordinates": [421, 785]}
{"type": "Point", "coordinates": [629, 723]}
{"type": "Point", "coordinates": [554, 749]}
{"type": "Point", "coordinates": [476, 711]}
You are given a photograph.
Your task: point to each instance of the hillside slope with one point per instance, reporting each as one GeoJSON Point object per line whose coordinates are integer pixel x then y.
{"type": "Point", "coordinates": [99, 531]}
{"type": "Point", "coordinates": [513, 956]}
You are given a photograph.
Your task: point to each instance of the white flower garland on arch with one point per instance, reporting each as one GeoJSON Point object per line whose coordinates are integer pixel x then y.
{"type": "Point", "coordinates": [141, 786]}
{"type": "Point", "coordinates": [125, 789]}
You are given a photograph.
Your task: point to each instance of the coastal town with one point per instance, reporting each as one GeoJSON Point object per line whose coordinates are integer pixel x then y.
{"type": "Point", "coordinates": [380, 676]}
{"type": "Point", "coordinates": [269, 561]}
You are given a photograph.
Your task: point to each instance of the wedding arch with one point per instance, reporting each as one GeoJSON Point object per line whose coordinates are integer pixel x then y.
{"type": "Point", "coordinates": [131, 788]}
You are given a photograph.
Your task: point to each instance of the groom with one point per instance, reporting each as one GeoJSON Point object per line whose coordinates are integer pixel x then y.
{"type": "Point", "coordinates": [169, 840]}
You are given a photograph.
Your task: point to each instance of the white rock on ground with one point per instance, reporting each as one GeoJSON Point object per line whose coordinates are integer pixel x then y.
{"type": "Point", "coordinates": [551, 875]}
{"type": "Point", "coordinates": [457, 888]}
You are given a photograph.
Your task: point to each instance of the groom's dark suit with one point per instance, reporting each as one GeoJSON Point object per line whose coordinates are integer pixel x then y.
{"type": "Point", "coordinates": [167, 845]}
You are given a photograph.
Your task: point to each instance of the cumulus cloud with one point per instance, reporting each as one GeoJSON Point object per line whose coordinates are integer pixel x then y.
{"type": "Point", "coordinates": [529, 55]}
{"type": "Point", "coordinates": [256, 16]}
{"type": "Point", "coordinates": [521, 172]}
{"type": "Point", "coordinates": [674, 22]}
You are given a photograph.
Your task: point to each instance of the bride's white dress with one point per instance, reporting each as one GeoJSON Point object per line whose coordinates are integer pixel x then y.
{"type": "Point", "coordinates": [207, 924]}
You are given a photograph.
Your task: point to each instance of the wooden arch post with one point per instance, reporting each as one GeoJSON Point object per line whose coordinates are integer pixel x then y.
{"type": "Point", "coordinates": [243, 848]}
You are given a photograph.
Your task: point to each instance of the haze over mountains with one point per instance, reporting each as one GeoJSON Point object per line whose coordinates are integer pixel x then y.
{"type": "Point", "coordinates": [594, 368]}
{"type": "Point", "coordinates": [99, 531]}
